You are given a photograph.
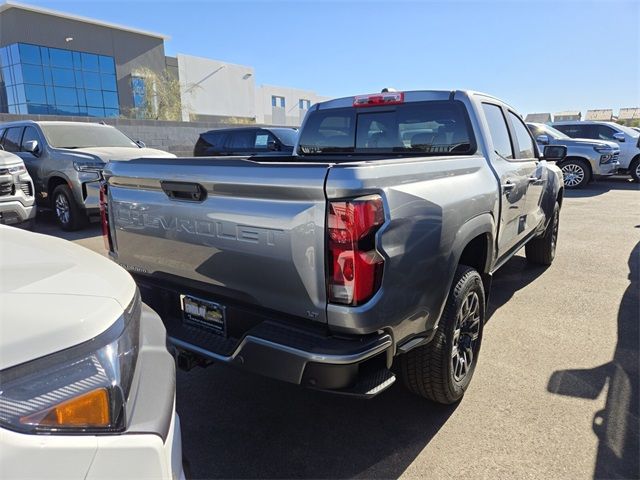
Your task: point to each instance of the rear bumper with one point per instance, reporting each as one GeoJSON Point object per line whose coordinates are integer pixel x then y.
{"type": "Point", "coordinates": [293, 350]}
{"type": "Point", "coordinates": [290, 355]}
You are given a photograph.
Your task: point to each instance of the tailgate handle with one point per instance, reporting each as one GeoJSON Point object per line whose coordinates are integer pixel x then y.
{"type": "Point", "coordinates": [191, 192]}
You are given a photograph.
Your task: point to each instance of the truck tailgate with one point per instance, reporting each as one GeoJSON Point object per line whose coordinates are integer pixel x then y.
{"type": "Point", "coordinates": [254, 231]}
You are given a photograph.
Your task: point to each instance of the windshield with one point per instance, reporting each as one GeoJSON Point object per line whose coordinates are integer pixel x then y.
{"type": "Point", "coordinates": [286, 136]}
{"type": "Point", "coordinates": [79, 135]}
{"type": "Point", "coordinates": [424, 128]}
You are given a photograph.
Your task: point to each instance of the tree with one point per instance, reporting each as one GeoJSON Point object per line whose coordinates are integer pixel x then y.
{"type": "Point", "coordinates": [157, 95]}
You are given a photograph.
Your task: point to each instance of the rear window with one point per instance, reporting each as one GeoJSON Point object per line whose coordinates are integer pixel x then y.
{"type": "Point", "coordinates": [423, 128]}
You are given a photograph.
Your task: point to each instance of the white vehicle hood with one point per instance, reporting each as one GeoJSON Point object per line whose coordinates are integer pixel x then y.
{"type": "Point", "coordinates": [107, 154]}
{"type": "Point", "coordinates": [9, 159]}
{"type": "Point", "coordinates": [587, 141]}
{"type": "Point", "coordinates": [54, 295]}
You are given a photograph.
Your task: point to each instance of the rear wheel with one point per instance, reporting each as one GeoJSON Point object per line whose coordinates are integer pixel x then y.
{"type": "Point", "coordinates": [576, 173]}
{"type": "Point", "coordinates": [634, 169]}
{"type": "Point", "coordinates": [442, 370]}
{"type": "Point", "coordinates": [68, 214]}
{"type": "Point", "coordinates": [542, 250]}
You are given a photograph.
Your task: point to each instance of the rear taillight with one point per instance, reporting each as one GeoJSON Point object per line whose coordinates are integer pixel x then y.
{"type": "Point", "coordinates": [376, 99]}
{"type": "Point", "coordinates": [354, 266]}
{"type": "Point", "coordinates": [104, 218]}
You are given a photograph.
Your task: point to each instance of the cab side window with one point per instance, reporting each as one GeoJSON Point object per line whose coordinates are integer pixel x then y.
{"type": "Point", "coordinates": [12, 139]}
{"type": "Point", "coordinates": [604, 132]}
{"type": "Point", "coordinates": [525, 142]}
{"type": "Point", "coordinates": [498, 130]}
{"type": "Point", "coordinates": [30, 133]}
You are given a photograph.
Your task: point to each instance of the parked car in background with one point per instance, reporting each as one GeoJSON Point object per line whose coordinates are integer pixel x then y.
{"type": "Point", "coordinates": [246, 141]}
{"type": "Point", "coordinates": [585, 160]}
{"type": "Point", "coordinates": [16, 192]}
{"type": "Point", "coordinates": [65, 161]}
{"type": "Point", "coordinates": [374, 249]}
{"type": "Point", "coordinates": [87, 386]}
{"type": "Point", "coordinates": [627, 138]}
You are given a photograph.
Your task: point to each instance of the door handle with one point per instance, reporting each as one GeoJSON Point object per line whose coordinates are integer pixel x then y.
{"type": "Point", "coordinates": [508, 186]}
{"type": "Point", "coordinates": [534, 179]}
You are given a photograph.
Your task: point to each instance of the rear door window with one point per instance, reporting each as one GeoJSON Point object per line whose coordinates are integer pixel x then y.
{"type": "Point", "coordinates": [525, 142]}
{"type": "Point", "coordinates": [241, 141]}
{"type": "Point", "coordinates": [12, 139]}
{"type": "Point", "coordinates": [576, 131]}
{"type": "Point", "coordinates": [498, 130]}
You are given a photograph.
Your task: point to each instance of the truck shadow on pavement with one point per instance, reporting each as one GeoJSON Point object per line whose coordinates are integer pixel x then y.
{"type": "Point", "coordinates": [601, 187]}
{"type": "Point", "coordinates": [617, 426]}
{"type": "Point", "coordinates": [514, 275]}
{"type": "Point", "coordinates": [236, 425]}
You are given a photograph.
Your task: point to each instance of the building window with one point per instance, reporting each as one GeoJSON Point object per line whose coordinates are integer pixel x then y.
{"type": "Point", "coordinates": [277, 101]}
{"type": "Point", "coordinates": [304, 104]}
{"type": "Point", "coordinates": [54, 81]}
{"type": "Point", "coordinates": [138, 88]}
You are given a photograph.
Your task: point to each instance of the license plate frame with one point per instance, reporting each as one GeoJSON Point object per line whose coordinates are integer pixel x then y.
{"type": "Point", "coordinates": [205, 314]}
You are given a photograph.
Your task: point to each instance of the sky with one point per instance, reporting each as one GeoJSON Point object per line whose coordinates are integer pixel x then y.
{"type": "Point", "coordinates": [539, 56]}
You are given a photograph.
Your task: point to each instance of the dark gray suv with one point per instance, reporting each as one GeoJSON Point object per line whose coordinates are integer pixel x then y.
{"type": "Point", "coordinates": [65, 161]}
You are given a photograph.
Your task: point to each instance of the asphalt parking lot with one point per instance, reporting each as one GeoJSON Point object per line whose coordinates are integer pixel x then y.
{"type": "Point", "coordinates": [555, 394]}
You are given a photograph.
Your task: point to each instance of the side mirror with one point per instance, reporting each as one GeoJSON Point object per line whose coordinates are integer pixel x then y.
{"type": "Point", "coordinates": [272, 146]}
{"type": "Point", "coordinates": [619, 137]}
{"type": "Point", "coordinates": [555, 153]}
{"type": "Point", "coordinates": [32, 147]}
{"type": "Point", "coordinates": [543, 139]}
{"type": "Point", "coordinates": [140, 143]}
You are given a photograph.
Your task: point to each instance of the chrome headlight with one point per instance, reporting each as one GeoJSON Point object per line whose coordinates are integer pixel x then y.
{"type": "Point", "coordinates": [603, 149]}
{"type": "Point", "coordinates": [83, 389]}
{"type": "Point", "coordinates": [17, 169]}
{"type": "Point", "coordinates": [87, 166]}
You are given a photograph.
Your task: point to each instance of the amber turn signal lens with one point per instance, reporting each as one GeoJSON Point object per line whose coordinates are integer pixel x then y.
{"type": "Point", "coordinates": [88, 410]}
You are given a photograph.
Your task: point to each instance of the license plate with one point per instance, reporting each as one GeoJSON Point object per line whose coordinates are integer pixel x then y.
{"type": "Point", "coordinates": [204, 314]}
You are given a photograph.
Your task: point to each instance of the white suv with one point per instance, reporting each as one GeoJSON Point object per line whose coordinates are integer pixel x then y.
{"type": "Point", "coordinates": [627, 138]}
{"type": "Point", "coordinates": [87, 387]}
{"type": "Point", "coordinates": [17, 201]}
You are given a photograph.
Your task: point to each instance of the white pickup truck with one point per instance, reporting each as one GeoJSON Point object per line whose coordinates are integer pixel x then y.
{"type": "Point", "coordinates": [87, 387]}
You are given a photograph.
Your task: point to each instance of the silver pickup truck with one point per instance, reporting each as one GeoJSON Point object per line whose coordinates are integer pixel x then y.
{"type": "Point", "coordinates": [368, 254]}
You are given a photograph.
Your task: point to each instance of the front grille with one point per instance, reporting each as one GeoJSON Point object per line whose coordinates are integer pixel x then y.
{"type": "Point", "coordinates": [27, 188]}
{"type": "Point", "coordinates": [7, 189]}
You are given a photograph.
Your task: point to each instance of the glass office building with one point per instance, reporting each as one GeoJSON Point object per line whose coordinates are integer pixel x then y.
{"type": "Point", "coordinates": [54, 81]}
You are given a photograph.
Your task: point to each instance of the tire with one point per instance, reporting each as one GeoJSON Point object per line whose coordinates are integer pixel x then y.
{"type": "Point", "coordinates": [68, 214]}
{"type": "Point", "coordinates": [542, 250]}
{"type": "Point", "coordinates": [634, 169]}
{"type": "Point", "coordinates": [436, 370]}
{"type": "Point", "coordinates": [576, 173]}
